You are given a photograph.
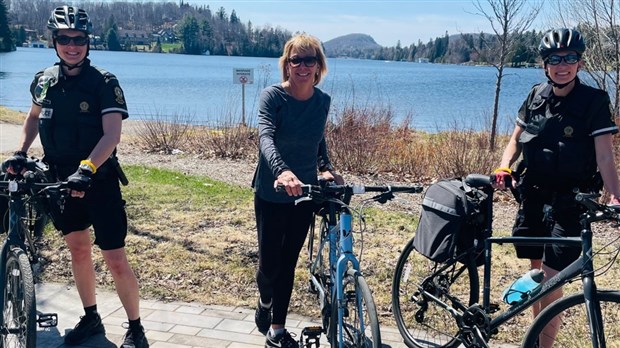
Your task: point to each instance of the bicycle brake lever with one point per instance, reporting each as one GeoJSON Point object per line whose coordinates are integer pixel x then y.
{"type": "Point", "coordinates": [303, 199]}
{"type": "Point", "coordinates": [384, 197]}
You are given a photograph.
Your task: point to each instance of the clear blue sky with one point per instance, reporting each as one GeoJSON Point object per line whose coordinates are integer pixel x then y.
{"type": "Point", "coordinates": [387, 21]}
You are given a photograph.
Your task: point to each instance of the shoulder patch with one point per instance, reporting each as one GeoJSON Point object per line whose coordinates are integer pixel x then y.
{"type": "Point", "coordinates": [120, 98]}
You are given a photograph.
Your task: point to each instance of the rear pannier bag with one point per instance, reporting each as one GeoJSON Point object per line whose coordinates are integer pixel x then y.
{"type": "Point", "coordinates": [452, 219]}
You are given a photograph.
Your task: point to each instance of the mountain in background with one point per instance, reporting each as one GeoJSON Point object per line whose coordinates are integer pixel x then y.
{"type": "Point", "coordinates": [351, 45]}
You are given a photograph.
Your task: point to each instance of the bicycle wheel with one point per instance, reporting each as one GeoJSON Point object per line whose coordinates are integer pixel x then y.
{"type": "Point", "coordinates": [356, 291]}
{"type": "Point", "coordinates": [574, 329]}
{"type": "Point", "coordinates": [420, 319]}
{"type": "Point", "coordinates": [320, 272]}
{"type": "Point", "coordinates": [19, 326]}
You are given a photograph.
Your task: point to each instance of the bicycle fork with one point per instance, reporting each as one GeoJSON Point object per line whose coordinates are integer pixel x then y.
{"type": "Point", "coordinates": [346, 257]}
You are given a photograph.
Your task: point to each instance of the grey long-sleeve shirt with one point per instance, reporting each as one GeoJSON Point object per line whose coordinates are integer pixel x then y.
{"type": "Point", "coordinates": [291, 137]}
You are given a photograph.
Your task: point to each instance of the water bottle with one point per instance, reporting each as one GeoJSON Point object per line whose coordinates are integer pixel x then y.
{"type": "Point", "coordinates": [522, 288]}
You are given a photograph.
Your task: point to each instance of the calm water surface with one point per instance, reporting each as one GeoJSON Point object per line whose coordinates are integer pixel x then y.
{"type": "Point", "coordinates": [435, 96]}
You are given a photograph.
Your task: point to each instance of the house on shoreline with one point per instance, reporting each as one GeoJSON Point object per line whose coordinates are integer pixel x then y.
{"type": "Point", "coordinates": [35, 44]}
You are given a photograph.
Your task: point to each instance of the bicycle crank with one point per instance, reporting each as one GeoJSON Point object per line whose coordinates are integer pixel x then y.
{"type": "Point", "coordinates": [47, 319]}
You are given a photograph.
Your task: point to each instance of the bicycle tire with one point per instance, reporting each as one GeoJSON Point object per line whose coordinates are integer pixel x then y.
{"type": "Point", "coordinates": [574, 317]}
{"type": "Point", "coordinates": [352, 335]}
{"type": "Point", "coordinates": [19, 307]}
{"type": "Point", "coordinates": [421, 321]}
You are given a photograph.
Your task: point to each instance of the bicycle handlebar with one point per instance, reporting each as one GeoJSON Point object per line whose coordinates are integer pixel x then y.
{"type": "Point", "coordinates": [25, 184]}
{"type": "Point", "coordinates": [328, 190]}
{"type": "Point", "coordinates": [598, 211]}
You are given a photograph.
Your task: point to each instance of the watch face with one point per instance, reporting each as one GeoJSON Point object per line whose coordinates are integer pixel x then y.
{"type": "Point", "coordinates": [86, 167]}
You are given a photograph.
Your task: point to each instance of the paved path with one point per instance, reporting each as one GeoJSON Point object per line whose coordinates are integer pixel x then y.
{"type": "Point", "coordinates": [9, 137]}
{"type": "Point", "coordinates": [168, 325]}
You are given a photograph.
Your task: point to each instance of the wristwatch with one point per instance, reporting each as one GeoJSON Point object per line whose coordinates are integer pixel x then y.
{"type": "Point", "coordinates": [86, 168]}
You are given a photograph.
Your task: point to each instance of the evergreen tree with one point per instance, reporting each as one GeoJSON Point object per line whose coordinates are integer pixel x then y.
{"type": "Point", "coordinates": [112, 40]}
{"type": "Point", "coordinates": [6, 37]}
{"type": "Point", "coordinates": [190, 34]}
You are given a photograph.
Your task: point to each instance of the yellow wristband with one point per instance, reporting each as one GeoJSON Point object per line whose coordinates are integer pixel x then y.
{"type": "Point", "coordinates": [90, 165]}
{"type": "Point", "coordinates": [503, 169]}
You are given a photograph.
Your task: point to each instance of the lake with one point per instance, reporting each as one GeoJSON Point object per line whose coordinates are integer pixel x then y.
{"type": "Point", "coordinates": [435, 96]}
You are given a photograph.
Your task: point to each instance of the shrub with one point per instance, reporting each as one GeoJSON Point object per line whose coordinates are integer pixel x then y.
{"type": "Point", "coordinates": [163, 134]}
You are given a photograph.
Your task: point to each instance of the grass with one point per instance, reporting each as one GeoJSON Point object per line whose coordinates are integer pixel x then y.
{"type": "Point", "coordinates": [193, 239]}
{"type": "Point", "coordinates": [10, 116]}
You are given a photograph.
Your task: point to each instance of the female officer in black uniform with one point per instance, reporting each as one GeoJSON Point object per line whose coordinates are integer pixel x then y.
{"type": "Point", "coordinates": [77, 110]}
{"type": "Point", "coordinates": [564, 130]}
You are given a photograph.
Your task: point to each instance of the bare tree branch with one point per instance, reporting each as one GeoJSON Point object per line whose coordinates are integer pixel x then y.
{"type": "Point", "coordinates": [509, 19]}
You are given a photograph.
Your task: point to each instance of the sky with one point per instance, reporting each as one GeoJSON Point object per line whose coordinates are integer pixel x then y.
{"type": "Point", "coordinates": [387, 21]}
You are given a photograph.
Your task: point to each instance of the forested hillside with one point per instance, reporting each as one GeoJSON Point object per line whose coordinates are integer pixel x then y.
{"type": "Point", "coordinates": [198, 29]}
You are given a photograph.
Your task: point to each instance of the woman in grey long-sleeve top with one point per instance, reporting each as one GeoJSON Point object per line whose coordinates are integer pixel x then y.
{"type": "Point", "coordinates": [291, 125]}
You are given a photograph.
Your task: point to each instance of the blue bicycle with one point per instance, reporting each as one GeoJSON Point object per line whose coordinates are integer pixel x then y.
{"type": "Point", "coordinates": [348, 311]}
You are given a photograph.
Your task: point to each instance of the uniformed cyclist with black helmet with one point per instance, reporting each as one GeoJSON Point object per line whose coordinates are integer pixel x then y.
{"type": "Point", "coordinates": [77, 110]}
{"type": "Point", "coordinates": [564, 131]}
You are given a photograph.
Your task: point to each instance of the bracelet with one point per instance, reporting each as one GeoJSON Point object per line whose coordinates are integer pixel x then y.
{"type": "Point", "coordinates": [503, 169]}
{"type": "Point", "coordinates": [90, 165]}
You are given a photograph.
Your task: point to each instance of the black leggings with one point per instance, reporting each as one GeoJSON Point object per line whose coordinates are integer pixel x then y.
{"type": "Point", "coordinates": [282, 230]}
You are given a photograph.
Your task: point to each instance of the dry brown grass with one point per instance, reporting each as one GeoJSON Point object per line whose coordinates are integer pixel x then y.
{"type": "Point", "coordinates": [11, 116]}
{"type": "Point", "coordinates": [193, 239]}
{"type": "Point", "coordinates": [362, 141]}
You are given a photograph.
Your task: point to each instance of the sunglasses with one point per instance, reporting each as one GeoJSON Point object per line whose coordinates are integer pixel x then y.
{"type": "Point", "coordinates": [569, 59]}
{"type": "Point", "coordinates": [76, 40]}
{"type": "Point", "coordinates": [308, 61]}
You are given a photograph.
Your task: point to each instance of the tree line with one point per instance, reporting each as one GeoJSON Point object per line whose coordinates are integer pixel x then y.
{"type": "Point", "coordinates": [199, 29]}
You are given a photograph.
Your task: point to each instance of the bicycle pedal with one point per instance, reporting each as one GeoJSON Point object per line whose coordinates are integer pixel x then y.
{"type": "Point", "coordinates": [312, 335]}
{"type": "Point", "coordinates": [47, 319]}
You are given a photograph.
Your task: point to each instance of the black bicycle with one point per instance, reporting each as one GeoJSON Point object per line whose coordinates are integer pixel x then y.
{"type": "Point", "coordinates": [438, 304]}
{"type": "Point", "coordinates": [28, 197]}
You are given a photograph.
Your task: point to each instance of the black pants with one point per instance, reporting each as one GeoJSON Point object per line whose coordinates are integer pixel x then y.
{"type": "Point", "coordinates": [282, 230]}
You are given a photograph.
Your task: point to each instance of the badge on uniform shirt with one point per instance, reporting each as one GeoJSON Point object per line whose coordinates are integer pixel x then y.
{"type": "Point", "coordinates": [119, 95]}
{"type": "Point", "coordinates": [568, 132]}
{"type": "Point", "coordinates": [46, 113]}
{"type": "Point", "coordinates": [83, 106]}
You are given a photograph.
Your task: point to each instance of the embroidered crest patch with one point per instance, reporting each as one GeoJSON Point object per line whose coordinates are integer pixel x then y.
{"type": "Point", "coordinates": [83, 106]}
{"type": "Point", "coordinates": [119, 95]}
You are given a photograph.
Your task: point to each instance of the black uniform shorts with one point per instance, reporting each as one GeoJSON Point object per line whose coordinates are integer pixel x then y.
{"type": "Point", "coordinates": [562, 222]}
{"type": "Point", "coordinates": [102, 207]}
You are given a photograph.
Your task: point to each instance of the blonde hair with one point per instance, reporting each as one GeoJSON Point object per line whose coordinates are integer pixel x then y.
{"type": "Point", "coordinates": [307, 44]}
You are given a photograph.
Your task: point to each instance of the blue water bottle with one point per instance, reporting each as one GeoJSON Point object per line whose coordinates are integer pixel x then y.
{"type": "Point", "coordinates": [521, 289]}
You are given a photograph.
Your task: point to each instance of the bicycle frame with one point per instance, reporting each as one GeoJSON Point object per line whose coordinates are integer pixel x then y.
{"type": "Point", "coordinates": [340, 239]}
{"type": "Point", "coordinates": [582, 267]}
{"type": "Point", "coordinates": [19, 237]}
{"type": "Point", "coordinates": [16, 237]}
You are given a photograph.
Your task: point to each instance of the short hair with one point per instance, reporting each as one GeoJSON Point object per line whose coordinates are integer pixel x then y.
{"type": "Point", "coordinates": [304, 43]}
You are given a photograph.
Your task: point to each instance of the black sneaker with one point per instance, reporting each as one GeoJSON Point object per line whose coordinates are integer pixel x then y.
{"type": "Point", "coordinates": [88, 326]}
{"type": "Point", "coordinates": [283, 340]}
{"type": "Point", "coordinates": [262, 318]}
{"type": "Point", "coordinates": [135, 339]}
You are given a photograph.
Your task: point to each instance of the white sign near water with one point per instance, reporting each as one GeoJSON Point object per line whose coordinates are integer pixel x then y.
{"type": "Point", "coordinates": [243, 76]}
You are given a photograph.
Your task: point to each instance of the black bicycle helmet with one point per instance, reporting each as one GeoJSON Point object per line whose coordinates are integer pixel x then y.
{"type": "Point", "coordinates": [561, 40]}
{"type": "Point", "coordinates": [70, 17]}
